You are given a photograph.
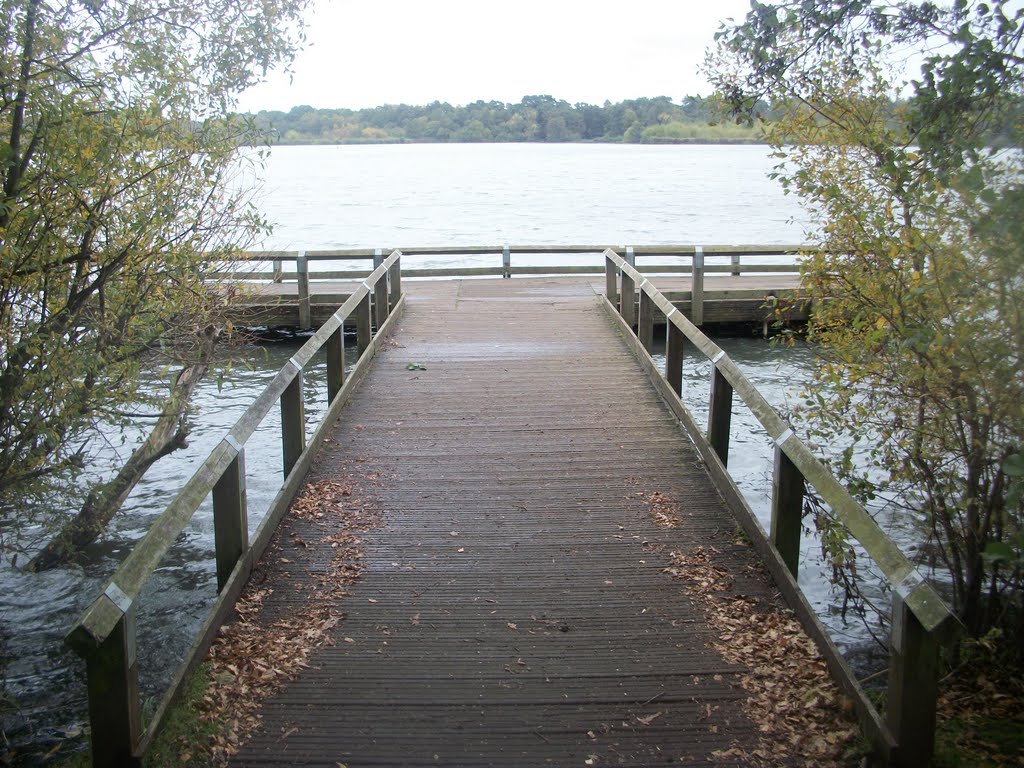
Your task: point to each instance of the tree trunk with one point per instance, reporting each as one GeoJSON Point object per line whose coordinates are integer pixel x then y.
{"type": "Point", "coordinates": [103, 502]}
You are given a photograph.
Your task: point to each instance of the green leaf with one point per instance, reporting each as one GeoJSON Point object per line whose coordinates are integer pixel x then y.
{"type": "Point", "coordinates": [999, 552]}
{"type": "Point", "coordinates": [1013, 465]}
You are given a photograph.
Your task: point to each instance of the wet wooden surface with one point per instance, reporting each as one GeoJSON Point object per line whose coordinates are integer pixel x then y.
{"type": "Point", "coordinates": [513, 608]}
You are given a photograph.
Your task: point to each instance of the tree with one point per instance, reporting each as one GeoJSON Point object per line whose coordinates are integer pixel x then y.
{"type": "Point", "coordinates": [117, 158]}
{"type": "Point", "coordinates": [918, 289]}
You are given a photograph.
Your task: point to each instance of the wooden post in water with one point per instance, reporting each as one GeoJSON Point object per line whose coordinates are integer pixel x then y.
{"type": "Point", "coordinates": [230, 515]}
{"type": "Point", "coordinates": [364, 333]}
{"type": "Point", "coordinates": [735, 265]}
{"type": "Point", "coordinates": [611, 282]}
{"type": "Point", "coordinates": [913, 685]}
{"type": "Point", "coordinates": [506, 262]}
{"type": "Point", "coordinates": [335, 362]}
{"type": "Point", "coordinates": [674, 340]}
{"type": "Point", "coordinates": [112, 679]}
{"type": "Point", "coordinates": [305, 312]}
{"type": "Point", "coordinates": [380, 293]}
{"type": "Point", "coordinates": [697, 287]}
{"type": "Point", "coordinates": [293, 421]}
{"type": "Point", "coordinates": [278, 271]}
{"type": "Point", "coordinates": [720, 411]}
{"type": "Point", "coordinates": [787, 506]}
{"type": "Point", "coordinates": [645, 323]}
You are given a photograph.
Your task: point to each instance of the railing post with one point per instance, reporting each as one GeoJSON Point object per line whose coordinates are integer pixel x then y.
{"type": "Point", "coordinates": [335, 362]}
{"type": "Point", "coordinates": [697, 287]}
{"type": "Point", "coordinates": [628, 300]}
{"type": "Point", "coordinates": [293, 421]}
{"type": "Point", "coordinates": [230, 516]}
{"type": "Point", "coordinates": [506, 262]}
{"type": "Point", "coordinates": [631, 256]}
{"type": "Point", "coordinates": [787, 506]}
{"type": "Point", "coordinates": [913, 686]}
{"type": "Point", "coordinates": [112, 677]}
{"type": "Point", "coordinates": [380, 292]}
{"type": "Point", "coordinates": [395, 281]}
{"type": "Point", "coordinates": [305, 313]}
{"type": "Point", "coordinates": [735, 265]}
{"type": "Point", "coordinates": [720, 411]}
{"type": "Point", "coordinates": [645, 323]}
{"type": "Point", "coordinates": [278, 271]}
{"type": "Point", "coordinates": [674, 340]}
{"type": "Point", "coordinates": [364, 333]}
{"type": "Point", "coordinates": [611, 282]}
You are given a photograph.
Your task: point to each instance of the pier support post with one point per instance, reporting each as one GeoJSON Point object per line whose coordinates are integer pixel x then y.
{"type": "Point", "coordinates": [293, 421]}
{"type": "Point", "coordinates": [787, 506]}
{"type": "Point", "coordinates": [380, 293]}
{"type": "Point", "coordinates": [720, 411]}
{"type": "Point", "coordinates": [674, 340]}
{"type": "Point", "coordinates": [335, 363]}
{"type": "Point", "coordinates": [913, 686]}
{"type": "Point", "coordinates": [305, 312]}
{"type": "Point", "coordinates": [112, 678]}
{"type": "Point", "coordinates": [364, 333]}
{"type": "Point", "coordinates": [645, 323]}
{"type": "Point", "coordinates": [697, 287]}
{"type": "Point", "coordinates": [230, 516]}
{"type": "Point", "coordinates": [506, 262]}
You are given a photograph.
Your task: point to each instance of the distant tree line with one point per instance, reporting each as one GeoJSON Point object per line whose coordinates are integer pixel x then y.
{"type": "Point", "coordinates": [534, 119]}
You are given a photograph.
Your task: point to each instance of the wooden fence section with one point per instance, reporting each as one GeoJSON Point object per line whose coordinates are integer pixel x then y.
{"type": "Point", "coordinates": [921, 620]}
{"type": "Point", "coordinates": [105, 634]}
{"type": "Point", "coordinates": [712, 283]}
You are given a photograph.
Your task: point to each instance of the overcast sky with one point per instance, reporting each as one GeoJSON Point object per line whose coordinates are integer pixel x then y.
{"type": "Point", "coordinates": [364, 53]}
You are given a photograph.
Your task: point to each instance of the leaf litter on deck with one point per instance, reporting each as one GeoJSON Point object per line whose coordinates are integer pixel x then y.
{"type": "Point", "coordinates": [252, 657]}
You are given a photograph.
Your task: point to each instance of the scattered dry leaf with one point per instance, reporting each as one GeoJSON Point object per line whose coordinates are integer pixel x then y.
{"type": "Point", "coordinates": [804, 718]}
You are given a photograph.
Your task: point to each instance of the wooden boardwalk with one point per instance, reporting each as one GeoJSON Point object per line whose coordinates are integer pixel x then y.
{"type": "Point", "coordinates": [513, 607]}
{"type": "Point", "coordinates": [727, 298]}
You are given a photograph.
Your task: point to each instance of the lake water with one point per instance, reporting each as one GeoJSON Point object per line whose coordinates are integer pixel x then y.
{"type": "Point", "coordinates": [395, 196]}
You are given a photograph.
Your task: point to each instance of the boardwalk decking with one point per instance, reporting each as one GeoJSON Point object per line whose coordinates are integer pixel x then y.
{"type": "Point", "coordinates": [727, 298]}
{"type": "Point", "coordinates": [513, 608]}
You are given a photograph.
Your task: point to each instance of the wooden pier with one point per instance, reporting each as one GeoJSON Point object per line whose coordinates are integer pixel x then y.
{"type": "Point", "coordinates": [708, 284]}
{"type": "Point", "coordinates": [550, 564]}
{"type": "Point", "coordinates": [513, 608]}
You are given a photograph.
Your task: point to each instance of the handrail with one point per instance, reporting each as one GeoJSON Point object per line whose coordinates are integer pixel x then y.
{"type": "Point", "coordinates": [920, 616]}
{"type": "Point", "coordinates": [104, 635]}
{"type": "Point", "coordinates": [303, 260]}
{"type": "Point", "coordinates": [698, 267]}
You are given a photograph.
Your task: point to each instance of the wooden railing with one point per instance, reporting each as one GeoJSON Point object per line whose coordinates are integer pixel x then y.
{"type": "Point", "coordinates": [703, 261]}
{"type": "Point", "coordinates": [105, 634]}
{"type": "Point", "coordinates": [921, 620]}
